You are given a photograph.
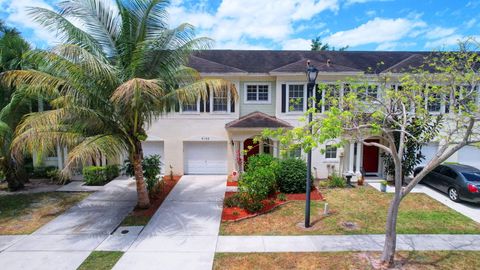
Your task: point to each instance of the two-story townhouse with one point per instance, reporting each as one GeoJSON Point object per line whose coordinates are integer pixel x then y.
{"type": "Point", "coordinates": [215, 135]}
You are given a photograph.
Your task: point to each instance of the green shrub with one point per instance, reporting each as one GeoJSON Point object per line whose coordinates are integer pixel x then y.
{"type": "Point", "coordinates": [151, 169]}
{"type": "Point", "coordinates": [95, 175]}
{"type": "Point", "coordinates": [335, 181]}
{"type": "Point", "coordinates": [233, 201]}
{"type": "Point", "coordinates": [258, 183]}
{"type": "Point", "coordinates": [292, 176]}
{"type": "Point", "coordinates": [55, 176]}
{"type": "Point", "coordinates": [262, 161]}
{"type": "Point", "coordinates": [282, 197]}
{"type": "Point", "coordinates": [252, 206]}
{"type": "Point", "coordinates": [113, 171]}
{"type": "Point", "coordinates": [41, 172]}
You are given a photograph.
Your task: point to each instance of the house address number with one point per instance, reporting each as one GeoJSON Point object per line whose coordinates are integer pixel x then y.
{"type": "Point", "coordinates": [205, 138]}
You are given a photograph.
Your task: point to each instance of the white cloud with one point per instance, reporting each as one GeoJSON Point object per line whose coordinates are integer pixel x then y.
{"type": "Point", "coordinates": [237, 21]}
{"type": "Point", "coordinates": [448, 42]}
{"type": "Point", "coordinates": [378, 30]}
{"type": "Point", "coordinates": [19, 16]}
{"type": "Point", "coordinates": [351, 2]}
{"type": "Point", "coordinates": [296, 44]}
{"type": "Point", "coordinates": [439, 32]}
{"type": "Point", "coordinates": [471, 23]}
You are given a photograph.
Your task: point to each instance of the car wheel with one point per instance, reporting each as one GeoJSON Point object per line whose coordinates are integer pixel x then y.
{"type": "Point", "coordinates": [453, 194]}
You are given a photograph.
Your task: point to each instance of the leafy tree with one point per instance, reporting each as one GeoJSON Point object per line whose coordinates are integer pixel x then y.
{"type": "Point", "coordinates": [118, 68]}
{"type": "Point", "coordinates": [12, 105]}
{"type": "Point", "coordinates": [451, 78]}
{"type": "Point", "coordinates": [318, 45]}
{"type": "Point", "coordinates": [421, 133]}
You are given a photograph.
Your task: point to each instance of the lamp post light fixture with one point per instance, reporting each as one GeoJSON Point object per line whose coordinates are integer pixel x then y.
{"type": "Point", "coordinates": [312, 73]}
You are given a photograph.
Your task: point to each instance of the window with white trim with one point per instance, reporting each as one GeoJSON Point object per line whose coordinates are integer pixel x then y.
{"type": "Point", "coordinates": [220, 101]}
{"type": "Point", "coordinates": [296, 97]}
{"type": "Point", "coordinates": [331, 96]}
{"type": "Point", "coordinates": [434, 102]}
{"type": "Point", "coordinates": [257, 93]}
{"type": "Point", "coordinates": [367, 91]}
{"type": "Point", "coordinates": [190, 107]}
{"type": "Point", "coordinates": [330, 151]}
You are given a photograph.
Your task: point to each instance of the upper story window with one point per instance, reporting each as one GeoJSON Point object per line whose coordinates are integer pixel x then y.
{"type": "Point", "coordinates": [257, 93]}
{"type": "Point", "coordinates": [220, 101]}
{"type": "Point", "coordinates": [434, 103]}
{"type": "Point", "coordinates": [190, 107]}
{"type": "Point", "coordinates": [331, 96]}
{"type": "Point", "coordinates": [296, 97]}
{"type": "Point", "coordinates": [330, 151]}
{"type": "Point", "coordinates": [369, 91]}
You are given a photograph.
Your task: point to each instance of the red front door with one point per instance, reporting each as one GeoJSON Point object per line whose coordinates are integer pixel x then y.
{"type": "Point", "coordinates": [370, 158]}
{"type": "Point", "coordinates": [250, 148]}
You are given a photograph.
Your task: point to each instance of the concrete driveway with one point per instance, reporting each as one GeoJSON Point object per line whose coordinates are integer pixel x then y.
{"type": "Point", "coordinates": [183, 233]}
{"type": "Point", "coordinates": [66, 241]}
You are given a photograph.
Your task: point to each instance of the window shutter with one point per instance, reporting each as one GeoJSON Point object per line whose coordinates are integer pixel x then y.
{"type": "Point", "coordinates": [318, 98]}
{"type": "Point", "coordinates": [202, 105]}
{"type": "Point", "coordinates": [177, 107]}
{"type": "Point", "coordinates": [232, 105]}
{"type": "Point", "coordinates": [284, 98]}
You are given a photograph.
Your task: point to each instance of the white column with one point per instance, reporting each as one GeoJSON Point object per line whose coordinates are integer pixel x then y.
{"type": "Point", "coordinates": [59, 157]}
{"type": "Point", "coordinates": [351, 157]}
{"type": "Point", "coordinates": [359, 155]}
{"type": "Point", "coordinates": [104, 160]}
{"type": "Point", "coordinates": [242, 146]}
{"type": "Point", "coordinates": [276, 149]}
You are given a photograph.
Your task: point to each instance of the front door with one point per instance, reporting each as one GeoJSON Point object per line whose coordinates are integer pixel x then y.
{"type": "Point", "coordinates": [250, 149]}
{"type": "Point", "coordinates": [370, 158]}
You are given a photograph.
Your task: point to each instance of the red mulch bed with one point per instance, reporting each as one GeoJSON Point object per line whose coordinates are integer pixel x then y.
{"type": "Point", "coordinates": [232, 183]}
{"type": "Point", "coordinates": [157, 199]}
{"type": "Point", "coordinates": [237, 213]}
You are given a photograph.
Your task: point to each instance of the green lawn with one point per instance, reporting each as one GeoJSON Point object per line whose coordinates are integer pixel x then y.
{"type": "Point", "coordinates": [25, 213]}
{"type": "Point", "coordinates": [365, 208]}
{"type": "Point", "coordinates": [424, 260]}
{"type": "Point", "coordinates": [101, 260]}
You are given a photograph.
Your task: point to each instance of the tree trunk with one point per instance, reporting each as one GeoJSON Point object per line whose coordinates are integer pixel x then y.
{"type": "Point", "coordinates": [390, 246]}
{"type": "Point", "coordinates": [388, 255]}
{"type": "Point", "coordinates": [142, 193]}
{"type": "Point", "coordinates": [15, 176]}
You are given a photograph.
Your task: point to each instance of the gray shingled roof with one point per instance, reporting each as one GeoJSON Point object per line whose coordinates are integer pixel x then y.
{"type": "Point", "coordinates": [225, 61]}
{"type": "Point", "coordinates": [258, 120]}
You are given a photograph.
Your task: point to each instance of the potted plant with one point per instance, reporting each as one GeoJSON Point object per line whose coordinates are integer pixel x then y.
{"type": "Point", "coordinates": [383, 186]}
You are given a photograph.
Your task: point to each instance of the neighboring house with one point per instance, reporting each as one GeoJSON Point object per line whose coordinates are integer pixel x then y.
{"type": "Point", "coordinates": [210, 136]}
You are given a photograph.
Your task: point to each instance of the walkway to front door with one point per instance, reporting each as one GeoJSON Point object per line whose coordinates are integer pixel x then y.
{"type": "Point", "coordinates": [183, 232]}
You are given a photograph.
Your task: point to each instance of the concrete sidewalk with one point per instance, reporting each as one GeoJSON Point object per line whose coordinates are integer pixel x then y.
{"type": "Point", "coordinates": [330, 243]}
{"type": "Point", "coordinates": [66, 241]}
{"type": "Point", "coordinates": [183, 232]}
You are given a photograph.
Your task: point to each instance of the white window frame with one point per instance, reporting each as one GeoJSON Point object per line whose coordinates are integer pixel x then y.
{"type": "Point", "coordinates": [341, 87]}
{"type": "Point", "coordinates": [191, 112]}
{"type": "Point", "coordinates": [304, 98]}
{"type": "Point", "coordinates": [229, 104]}
{"type": "Point", "coordinates": [336, 152]}
{"type": "Point", "coordinates": [245, 87]}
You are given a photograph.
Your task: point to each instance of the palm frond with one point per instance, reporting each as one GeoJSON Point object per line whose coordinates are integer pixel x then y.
{"type": "Point", "coordinates": [34, 82]}
{"type": "Point", "coordinates": [109, 146]}
{"type": "Point", "coordinates": [66, 31]}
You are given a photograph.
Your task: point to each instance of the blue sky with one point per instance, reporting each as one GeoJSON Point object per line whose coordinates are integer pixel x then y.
{"type": "Point", "coordinates": [291, 24]}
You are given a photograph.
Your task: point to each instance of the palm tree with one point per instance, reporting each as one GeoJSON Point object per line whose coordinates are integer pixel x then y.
{"type": "Point", "coordinates": [118, 68]}
{"type": "Point", "coordinates": [12, 105]}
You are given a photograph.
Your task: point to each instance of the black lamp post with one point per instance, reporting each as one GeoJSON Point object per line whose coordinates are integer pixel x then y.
{"type": "Point", "coordinates": [312, 73]}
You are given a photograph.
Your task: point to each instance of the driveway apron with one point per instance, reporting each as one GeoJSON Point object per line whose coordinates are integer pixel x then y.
{"type": "Point", "coordinates": [66, 241]}
{"type": "Point", "coordinates": [183, 233]}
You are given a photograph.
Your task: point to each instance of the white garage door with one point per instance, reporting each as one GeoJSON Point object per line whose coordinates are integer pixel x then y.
{"type": "Point", "coordinates": [154, 148]}
{"type": "Point", "coordinates": [469, 155]}
{"type": "Point", "coordinates": [205, 157]}
{"type": "Point", "coordinates": [429, 151]}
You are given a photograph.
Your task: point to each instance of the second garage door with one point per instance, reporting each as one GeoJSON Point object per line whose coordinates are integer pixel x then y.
{"type": "Point", "coordinates": [205, 157]}
{"type": "Point", "coordinates": [469, 155]}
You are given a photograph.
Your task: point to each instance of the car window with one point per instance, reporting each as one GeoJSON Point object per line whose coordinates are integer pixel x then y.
{"type": "Point", "coordinates": [438, 169]}
{"type": "Point", "coordinates": [472, 176]}
{"type": "Point", "coordinates": [448, 172]}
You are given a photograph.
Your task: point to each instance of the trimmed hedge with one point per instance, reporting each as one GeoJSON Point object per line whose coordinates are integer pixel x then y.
{"type": "Point", "coordinates": [100, 175]}
{"type": "Point", "coordinates": [292, 176]}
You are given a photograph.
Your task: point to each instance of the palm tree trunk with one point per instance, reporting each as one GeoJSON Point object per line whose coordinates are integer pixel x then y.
{"type": "Point", "coordinates": [142, 193]}
{"type": "Point", "coordinates": [15, 176]}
